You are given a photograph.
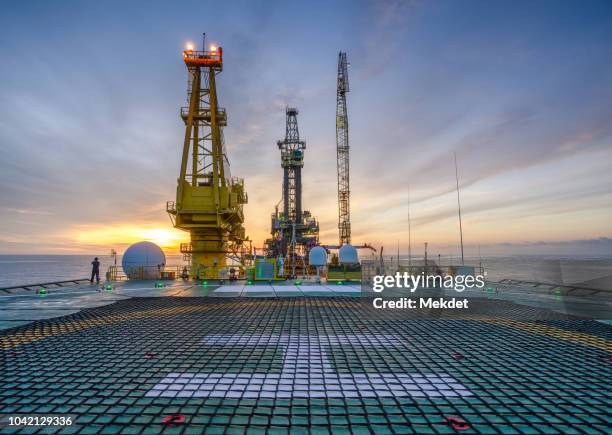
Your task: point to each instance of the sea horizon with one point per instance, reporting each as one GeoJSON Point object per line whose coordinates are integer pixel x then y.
{"type": "Point", "coordinates": [32, 269]}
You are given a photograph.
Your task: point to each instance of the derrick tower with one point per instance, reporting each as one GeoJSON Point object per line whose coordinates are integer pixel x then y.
{"type": "Point", "coordinates": [292, 162]}
{"type": "Point", "coordinates": [342, 151]}
{"type": "Point", "coordinates": [294, 230]}
{"type": "Point", "coordinates": [209, 201]}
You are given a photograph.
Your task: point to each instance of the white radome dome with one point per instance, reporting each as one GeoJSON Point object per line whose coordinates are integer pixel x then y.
{"type": "Point", "coordinates": [143, 260]}
{"type": "Point", "coordinates": [348, 255]}
{"type": "Point", "coordinates": [317, 256]}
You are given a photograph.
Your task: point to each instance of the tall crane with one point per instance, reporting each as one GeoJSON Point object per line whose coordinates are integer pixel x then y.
{"type": "Point", "coordinates": [342, 150]}
{"type": "Point", "coordinates": [209, 203]}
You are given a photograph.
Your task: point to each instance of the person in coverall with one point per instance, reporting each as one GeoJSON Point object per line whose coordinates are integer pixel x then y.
{"type": "Point", "coordinates": [95, 270]}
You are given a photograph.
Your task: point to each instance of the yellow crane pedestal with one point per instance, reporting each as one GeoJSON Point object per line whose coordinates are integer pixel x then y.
{"type": "Point", "coordinates": [208, 204]}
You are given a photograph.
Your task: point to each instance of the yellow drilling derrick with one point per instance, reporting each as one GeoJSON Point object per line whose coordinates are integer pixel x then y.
{"type": "Point", "coordinates": [208, 200]}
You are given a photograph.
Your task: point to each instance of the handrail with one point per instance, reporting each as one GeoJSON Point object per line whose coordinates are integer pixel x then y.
{"type": "Point", "coordinates": [551, 285]}
{"type": "Point", "coordinates": [203, 58]}
{"type": "Point", "coordinates": [204, 112]}
{"type": "Point", "coordinates": [116, 273]}
{"type": "Point", "coordinates": [42, 284]}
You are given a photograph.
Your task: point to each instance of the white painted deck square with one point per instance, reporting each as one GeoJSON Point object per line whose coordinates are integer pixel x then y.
{"type": "Point", "coordinates": [286, 288]}
{"type": "Point", "coordinates": [343, 289]}
{"type": "Point", "coordinates": [312, 351]}
{"type": "Point", "coordinates": [229, 289]}
{"type": "Point", "coordinates": [314, 289]}
{"type": "Point", "coordinates": [258, 289]}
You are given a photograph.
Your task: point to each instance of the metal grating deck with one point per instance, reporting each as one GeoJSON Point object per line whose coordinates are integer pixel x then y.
{"type": "Point", "coordinates": [279, 365]}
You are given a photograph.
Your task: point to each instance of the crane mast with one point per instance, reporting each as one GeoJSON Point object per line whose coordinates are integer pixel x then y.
{"type": "Point", "coordinates": [342, 149]}
{"type": "Point", "coordinates": [209, 203]}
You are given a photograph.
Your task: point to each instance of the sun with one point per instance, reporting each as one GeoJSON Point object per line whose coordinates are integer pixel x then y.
{"type": "Point", "coordinates": [163, 237]}
{"type": "Point", "coordinates": [118, 235]}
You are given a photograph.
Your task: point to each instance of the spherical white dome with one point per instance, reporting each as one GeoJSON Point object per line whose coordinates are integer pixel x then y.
{"type": "Point", "coordinates": [317, 256]}
{"type": "Point", "coordinates": [348, 255]}
{"type": "Point", "coordinates": [143, 260]}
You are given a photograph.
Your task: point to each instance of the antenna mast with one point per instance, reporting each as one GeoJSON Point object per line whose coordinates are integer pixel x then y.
{"type": "Point", "coordinates": [409, 235]}
{"type": "Point", "coordinates": [459, 209]}
{"type": "Point", "coordinates": [342, 149]}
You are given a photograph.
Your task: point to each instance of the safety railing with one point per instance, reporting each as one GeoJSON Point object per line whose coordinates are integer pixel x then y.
{"type": "Point", "coordinates": [205, 114]}
{"type": "Point", "coordinates": [213, 58]}
{"type": "Point", "coordinates": [118, 273]}
{"type": "Point", "coordinates": [135, 273]}
{"type": "Point", "coordinates": [45, 285]}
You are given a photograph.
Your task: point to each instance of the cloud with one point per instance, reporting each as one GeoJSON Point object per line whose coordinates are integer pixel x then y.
{"type": "Point", "coordinates": [26, 211]}
{"type": "Point", "coordinates": [96, 141]}
{"type": "Point", "coordinates": [383, 32]}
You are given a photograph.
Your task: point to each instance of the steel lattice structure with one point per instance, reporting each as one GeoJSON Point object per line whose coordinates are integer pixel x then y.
{"type": "Point", "coordinates": [342, 149]}
{"type": "Point", "coordinates": [294, 230]}
{"type": "Point", "coordinates": [209, 202]}
{"type": "Point", "coordinates": [292, 162]}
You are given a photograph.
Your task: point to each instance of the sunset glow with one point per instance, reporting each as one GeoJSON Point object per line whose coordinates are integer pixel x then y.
{"type": "Point", "coordinates": [168, 238]}
{"type": "Point", "coordinates": [90, 155]}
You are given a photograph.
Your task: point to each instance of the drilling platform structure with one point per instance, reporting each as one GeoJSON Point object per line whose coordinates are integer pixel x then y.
{"type": "Point", "coordinates": [209, 202]}
{"type": "Point", "coordinates": [342, 151]}
{"type": "Point", "coordinates": [294, 230]}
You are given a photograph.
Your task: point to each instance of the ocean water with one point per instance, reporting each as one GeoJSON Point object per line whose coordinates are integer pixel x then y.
{"type": "Point", "coordinates": [595, 272]}
{"type": "Point", "coordinates": [588, 272]}
{"type": "Point", "coordinates": [33, 269]}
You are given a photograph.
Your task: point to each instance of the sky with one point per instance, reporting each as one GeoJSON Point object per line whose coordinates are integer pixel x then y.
{"type": "Point", "coordinates": [521, 91]}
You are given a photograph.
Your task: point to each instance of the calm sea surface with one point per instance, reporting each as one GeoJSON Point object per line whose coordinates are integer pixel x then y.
{"type": "Point", "coordinates": [34, 269]}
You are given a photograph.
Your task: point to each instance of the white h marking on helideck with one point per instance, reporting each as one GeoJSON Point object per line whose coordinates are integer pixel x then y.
{"type": "Point", "coordinates": [306, 372]}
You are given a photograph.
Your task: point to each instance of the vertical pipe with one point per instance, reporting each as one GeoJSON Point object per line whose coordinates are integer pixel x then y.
{"type": "Point", "coordinates": [286, 193]}
{"type": "Point", "coordinates": [298, 195]}
{"type": "Point", "coordinates": [285, 233]}
{"type": "Point", "coordinates": [425, 258]}
{"type": "Point", "coordinates": [398, 262]}
{"type": "Point", "coordinates": [194, 157]}
{"type": "Point", "coordinates": [409, 236]}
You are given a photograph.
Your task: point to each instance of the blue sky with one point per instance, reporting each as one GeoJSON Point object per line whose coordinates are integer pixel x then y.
{"type": "Point", "coordinates": [90, 135]}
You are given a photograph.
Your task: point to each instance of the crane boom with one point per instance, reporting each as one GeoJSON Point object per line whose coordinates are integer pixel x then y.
{"type": "Point", "coordinates": [342, 150]}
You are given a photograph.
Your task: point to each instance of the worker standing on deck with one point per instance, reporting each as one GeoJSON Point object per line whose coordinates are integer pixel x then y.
{"type": "Point", "coordinates": [95, 270]}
